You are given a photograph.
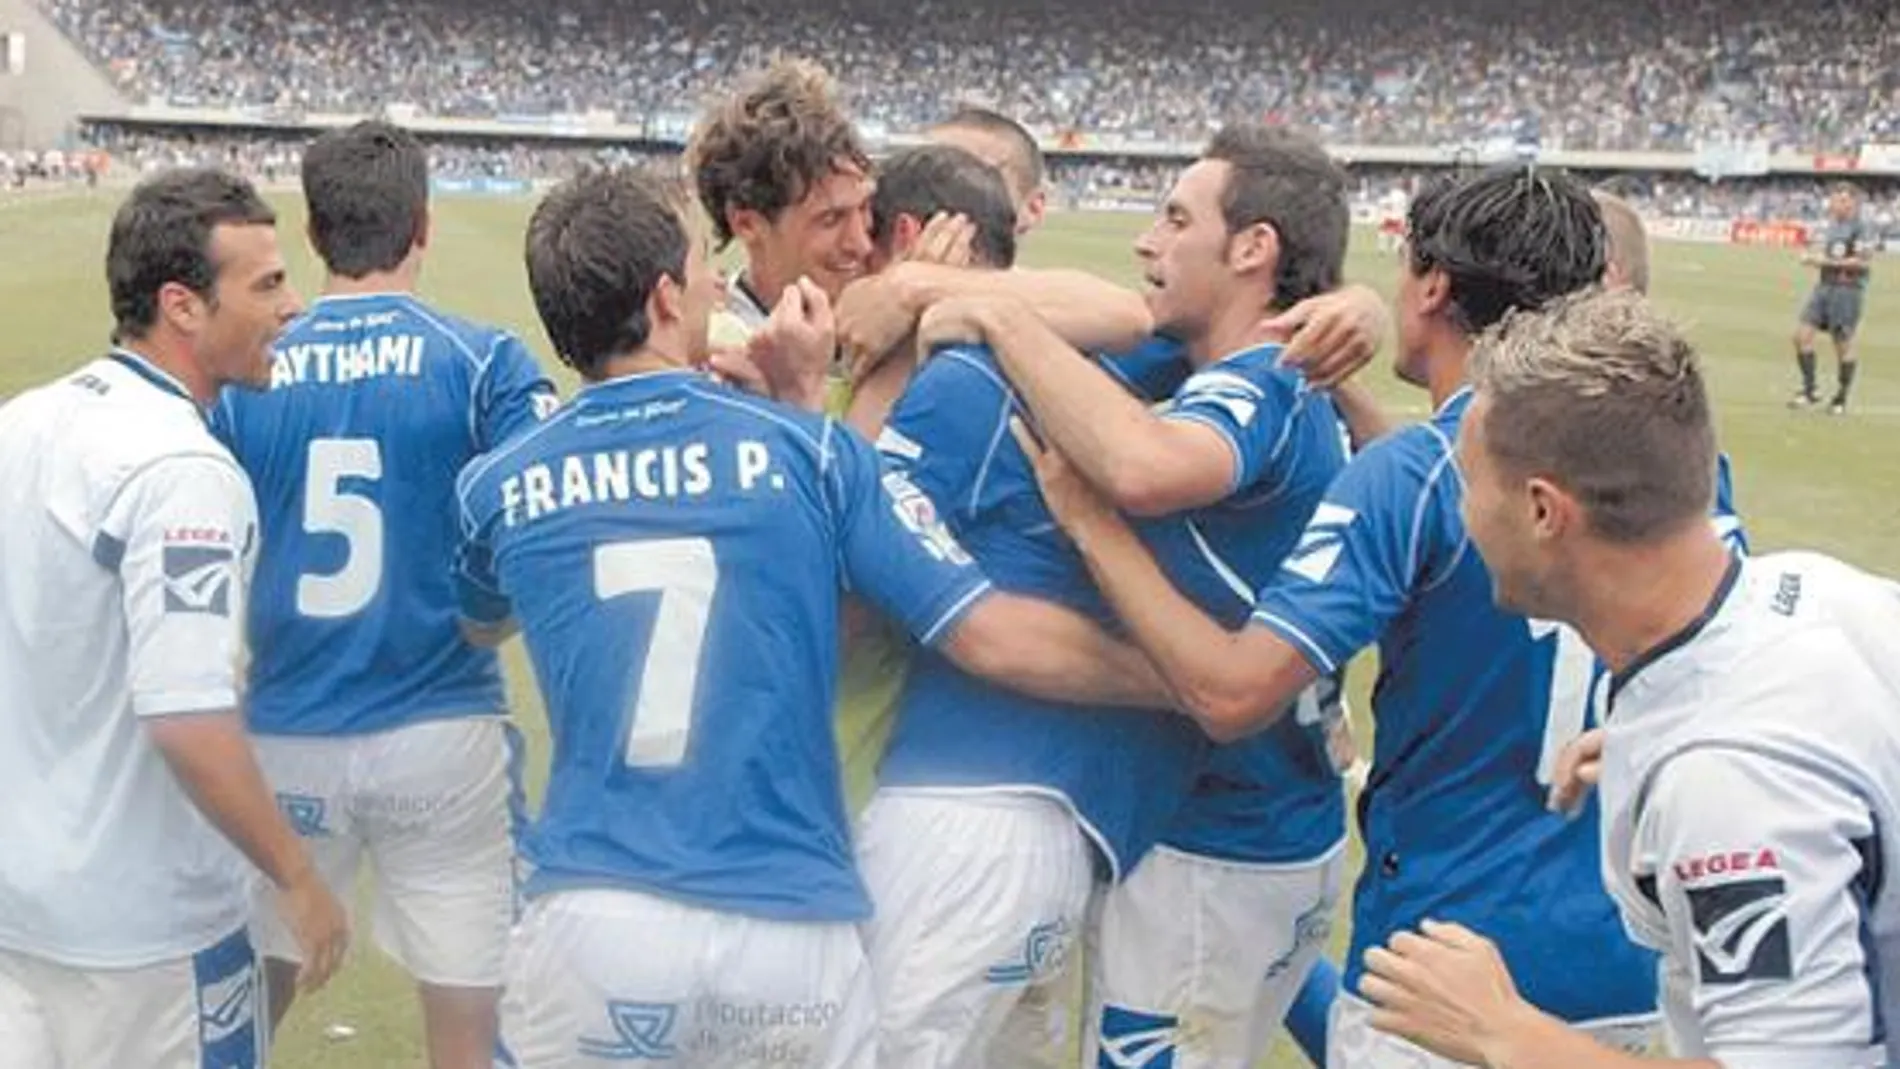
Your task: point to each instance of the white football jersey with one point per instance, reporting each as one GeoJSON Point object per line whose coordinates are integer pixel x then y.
{"type": "Point", "coordinates": [123, 562]}
{"type": "Point", "coordinates": [742, 315]}
{"type": "Point", "coordinates": [1751, 805]}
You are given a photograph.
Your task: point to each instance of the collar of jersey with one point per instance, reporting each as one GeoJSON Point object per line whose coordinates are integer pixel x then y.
{"type": "Point", "coordinates": [1459, 399]}
{"type": "Point", "coordinates": [381, 295]}
{"type": "Point", "coordinates": [1266, 347]}
{"type": "Point", "coordinates": [637, 377]}
{"type": "Point", "coordinates": [151, 373]}
{"type": "Point", "coordinates": [740, 288]}
{"type": "Point", "coordinates": [1648, 658]}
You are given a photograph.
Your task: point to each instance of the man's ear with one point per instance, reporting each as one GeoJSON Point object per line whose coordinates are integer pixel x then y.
{"type": "Point", "coordinates": [746, 224]}
{"type": "Point", "coordinates": [1554, 512]}
{"type": "Point", "coordinates": [1256, 248]}
{"type": "Point", "coordinates": [906, 229]}
{"type": "Point", "coordinates": [667, 303]}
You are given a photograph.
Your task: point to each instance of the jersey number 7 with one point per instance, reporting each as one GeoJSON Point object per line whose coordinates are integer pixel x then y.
{"type": "Point", "coordinates": [684, 574]}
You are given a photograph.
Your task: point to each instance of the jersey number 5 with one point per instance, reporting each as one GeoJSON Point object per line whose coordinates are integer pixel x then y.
{"type": "Point", "coordinates": [683, 572]}
{"type": "Point", "coordinates": [330, 509]}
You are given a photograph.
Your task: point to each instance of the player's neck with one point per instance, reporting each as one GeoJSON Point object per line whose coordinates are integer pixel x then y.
{"type": "Point", "coordinates": [1446, 369]}
{"type": "Point", "coordinates": [1659, 590]}
{"type": "Point", "coordinates": [642, 361]}
{"type": "Point", "coordinates": [401, 280]}
{"type": "Point", "coordinates": [1235, 327]}
{"type": "Point", "coordinates": [763, 281]}
{"type": "Point", "coordinates": [171, 360]}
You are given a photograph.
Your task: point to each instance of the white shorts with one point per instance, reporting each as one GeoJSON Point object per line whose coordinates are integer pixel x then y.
{"type": "Point", "coordinates": [979, 898]}
{"type": "Point", "coordinates": [1352, 1042]}
{"type": "Point", "coordinates": [1200, 958]}
{"type": "Point", "coordinates": [195, 1013]}
{"type": "Point", "coordinates": [435, 806]}
{"type": "Point", "coordinates": [610, 977]}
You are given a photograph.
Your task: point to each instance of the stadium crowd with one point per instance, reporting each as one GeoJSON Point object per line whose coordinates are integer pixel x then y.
{"type": "Point", "coordinates": [1076, 182]}
{"type": "Point", "coordinates": [1823, 77]}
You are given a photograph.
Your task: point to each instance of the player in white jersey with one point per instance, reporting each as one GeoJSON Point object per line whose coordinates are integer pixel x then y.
{"type": "Point", "coordinates": [1393, 207]}
{"type": "Point", "coordinates": [1751, 766]}
{"type": "Point", "coordinates": [129, 797]}
{"type": "Point", "coordinates": [781, 170]}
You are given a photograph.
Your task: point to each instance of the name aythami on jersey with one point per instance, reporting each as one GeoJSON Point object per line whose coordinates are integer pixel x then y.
{"type": "Point", "coordinates": [339, 363]}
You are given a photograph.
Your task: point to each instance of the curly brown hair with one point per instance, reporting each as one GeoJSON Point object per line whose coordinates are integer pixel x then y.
{"type": "Point", "coordinates": [768, 144]}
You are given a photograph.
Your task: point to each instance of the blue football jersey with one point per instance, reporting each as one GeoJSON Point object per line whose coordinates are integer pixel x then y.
{"type": "Point", "coordinates": [376, 402]}
{"type": "Point", "coordinates": [675, 553]}
{"type": "Point", "coordinates": [1124, 773]}
{"type": "Point", "coordinates": [1275, 797]}
{"type": "Point", "coordinates": [1153, 370]}
{"type": "Point", "coordinates": [1469, 701]}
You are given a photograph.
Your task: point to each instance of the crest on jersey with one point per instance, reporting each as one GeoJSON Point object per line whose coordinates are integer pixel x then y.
{"type": "Point", "coordinates": [1741, 930]}
{"type": "Point", "coordinates": [644, 1032]}
{"type": "Point", "coordinates": [919, 516]}
{"type": "Point", "coordinates": [198, 577]}
{"type": "Point", "coordinates": [1132, 1039]}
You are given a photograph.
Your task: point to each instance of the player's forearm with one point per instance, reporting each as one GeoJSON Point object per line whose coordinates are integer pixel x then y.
{"type": "Point", "coordinates": [1089, 313]}
{"type": "Point", "coordinates": [212, 757]}
{"type": "Point", "coordinates": [1366, 419]}
{"type": "Point", "coordinates": [1053, 653]}
{"type": "Point", "coordinates": [1231, 683]}
{"type": "Point", "coordinates": [1108, 435]}
{"type": "Point", "coordinates": [873, 398]}
{"type": "Point", "coordinates": [1537, 1040]}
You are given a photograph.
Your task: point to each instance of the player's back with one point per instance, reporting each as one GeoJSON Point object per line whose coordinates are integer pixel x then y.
{"type": "Point", "coordinates": [950, 434]}
{"type": "Point", "coordinates": [376, 403]}
{"type": "Point", "coordinates": [109, 563]}
{"type": "Point", "coordinates": [1782, 702]}
{"type": "Point", "coordinates": [1274, 797]}
{"type": "Point", "coordinates": [673, 552]}
{"type": "Point", "coordinates": [1454, 816]}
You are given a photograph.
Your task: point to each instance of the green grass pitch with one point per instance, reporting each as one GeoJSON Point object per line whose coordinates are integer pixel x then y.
{"type": "Point", "coordinates": [1803, 479]}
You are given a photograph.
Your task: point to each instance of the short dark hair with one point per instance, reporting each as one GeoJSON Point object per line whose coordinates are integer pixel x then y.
{"type": "Point", "coordinates": [1508, 238]}
{"type": "Point", "coordinates": [162, 233]}
{"type": "Point", "coordinates": [923, 181]}
{"type": "Point", "coordinates": [1286, 179]}
{"type": "Point", "coordinates": [1026, 162]}
{"type": "Point", "coordinates": [367, 187]}
{"type": "Point", "coordinates": [598, 245]}
{"type": "Point", "coordinates": [766, 146]}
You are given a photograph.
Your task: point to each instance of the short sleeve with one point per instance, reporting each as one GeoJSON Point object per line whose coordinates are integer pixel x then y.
{"type": "Point", "coordinates": [182, 535]}
{"type": "Point", "coordinates": [511, 394]}
{"type": "Point", "coordinates": [1764, 870]}
{"type": "Point", "coordinates": [1388, 522]}
{"type": "Point", "coordinates": [896, 551]}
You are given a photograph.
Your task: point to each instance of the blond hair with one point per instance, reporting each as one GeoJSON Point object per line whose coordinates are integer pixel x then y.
{"type": "Point", "coordinates": [1601, 394]}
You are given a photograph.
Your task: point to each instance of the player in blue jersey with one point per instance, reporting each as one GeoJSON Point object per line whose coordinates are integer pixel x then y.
{"type": "Point", "coordinates": [674, 552]}
{"type": "Point", "coordinates": [382, 730]}
{"type": "Point", "coordinates": [1472, 703]}
{"type": "Point", "coordinates": [1204, 946]}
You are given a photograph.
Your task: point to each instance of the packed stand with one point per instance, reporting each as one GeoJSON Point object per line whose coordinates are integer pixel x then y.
{"type": "Point", "coordinates": [1807, 78]}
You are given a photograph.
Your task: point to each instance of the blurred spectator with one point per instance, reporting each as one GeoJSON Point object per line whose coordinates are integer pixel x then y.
{"type": "Point", "coordinates": [1590, 74]}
